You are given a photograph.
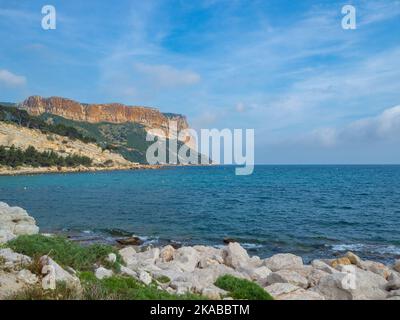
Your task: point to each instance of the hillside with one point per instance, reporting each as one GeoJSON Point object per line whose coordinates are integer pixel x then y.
{"type": "Point", "coordinates": [127, 139]}
{"type": "Point", "coordinates": [114, 127]}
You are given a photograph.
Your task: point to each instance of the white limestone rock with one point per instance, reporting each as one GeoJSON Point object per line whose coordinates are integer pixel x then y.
{"type": "Point", "coordinates": [287, 276]}
{"type": "Point", "coordinates": [54, 273]}
{"type": "Point", "coordinates": [15, 221]}
{"type": "Point", "coordinates": [235, 255]}
{"type": "Point", "coordinates": [283, 261]}
{"type": "Point", "coordinates": [103, 273]}
{"type": "Point", "coordinates": [14, 260]}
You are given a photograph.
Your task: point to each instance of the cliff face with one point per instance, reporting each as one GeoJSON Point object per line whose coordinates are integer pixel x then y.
{"type": "Point", "coordinates": [114, 112]}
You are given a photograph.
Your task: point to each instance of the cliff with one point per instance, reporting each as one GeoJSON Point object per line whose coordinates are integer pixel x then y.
{"type": "Point", "coordinates": [150, 118]}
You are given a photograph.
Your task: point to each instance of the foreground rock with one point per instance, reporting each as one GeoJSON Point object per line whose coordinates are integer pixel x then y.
{"type": "Point", "coordinates": [195, 269]}
{"type": "Point", "coordinates": [15, 221]}
{"type": "Point", "coordinates": [53, 273]}
{"type": "Point", "coordinates": [284, 276]}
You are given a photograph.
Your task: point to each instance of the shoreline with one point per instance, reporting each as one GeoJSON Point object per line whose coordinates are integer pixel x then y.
{"type": "Point", "coordinates": [7, 171]}
{"type": "Point", "coordinates": [196, 270]}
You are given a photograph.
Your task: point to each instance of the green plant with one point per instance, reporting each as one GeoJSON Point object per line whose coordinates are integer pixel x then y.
{"type": "Point", "coordinates": [15, 157]}
{"type": "Point", "coordinates": [125, 288]}
{"type": "Point", "coordinates": [163, 279]}
{"type": "Point", "coordinates": [66, 253]}
{"type": "Point", "coordinates": [62, 292]}
{"type": "Point", "coordinates": [242, 289]}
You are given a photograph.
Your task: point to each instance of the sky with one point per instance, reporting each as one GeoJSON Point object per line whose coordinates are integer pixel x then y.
{"type": "Point", "coordinates": [312, 91]}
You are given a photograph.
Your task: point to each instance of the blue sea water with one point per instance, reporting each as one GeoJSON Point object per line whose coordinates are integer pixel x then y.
{"type": "Point", "coordinates": [312, 211]}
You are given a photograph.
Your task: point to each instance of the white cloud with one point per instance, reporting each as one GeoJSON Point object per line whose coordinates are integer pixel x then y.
{"type": "Point", "coordinates": [10, 79]}
{"type": "Point", "coordinates": [167, 76]}
{"type": "Point", "coordinates": [383, 127]}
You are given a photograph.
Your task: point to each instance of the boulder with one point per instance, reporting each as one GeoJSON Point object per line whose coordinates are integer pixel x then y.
{"type": "Point", "coordinates": [302, 294]}
{"type": "Point", "coordinates": [287, 276]}
{"type": "Point", "coordinates": [130, 241]}
{"type": "Point", "coordinates": [128, 254]}
{"type": "Point", "coordinates": [321, 265]}
{"type": "Point", "coordinates": [283, 261]}
{"type": "Point", "coordinates": [396, 265]}
{"type": "Point", "coordinates": [102, 273]}
{"type": "Point", "coordinates": [136, 260]}
{"type": "Point", "coordinates": [54, 273]}
{"type": "Point", "coordinates": [235, 255]}
{"type": "Point", "coordinates": [15, 221]}
{"type": "Point", "coordinates": [14, 260]}
{"type": "Point", "coordinates": [376, 267]}
{"type": "Point", "coordinates": [340, 261]}
{"type": "Point", "coordinates": [354, 259]}
{"type": "Point", "coordinates": [6, 235]}
{"type": "Point", "coordinates": [362, 285]}
{"type": "Point", "coordinates": [129, 272]}
{"type": "Point", "coordinates": [278, 289]}
{"type": "Point", "coordinates": [259, 274]}
{"type": "Point", "coordinates": [112, 258]}
{"type": "Point", "coordinates": [9, 284]}
{"type": "Point", "coordinates": [27, 277]}
{"type": "Point", "coordinates": [315, 276]}
{"type": "Point", "coordinates": [393, 282]}
{"type": "Point", "coordinates": [145, 277]}
{"type": "Point", "coordinates": [167, 253]}
{"type": "Point", "coordinates": [186, 258]}
{"type": "Point", "coordinates": [331, 287]}
{"type": "Point", "coordinates": [213, 292]}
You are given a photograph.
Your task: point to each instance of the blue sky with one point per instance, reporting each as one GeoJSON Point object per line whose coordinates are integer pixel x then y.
{"type": "Point", "coordinates": [313, 92]}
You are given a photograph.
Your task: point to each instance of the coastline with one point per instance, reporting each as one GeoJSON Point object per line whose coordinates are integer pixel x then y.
{"type": "Point", "coordinates": [191, 272]}
{"type": "Point", "coordinates": [7, 171]}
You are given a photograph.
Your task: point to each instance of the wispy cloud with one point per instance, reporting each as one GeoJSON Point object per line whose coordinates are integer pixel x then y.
{"type": "Point", "coordinates": [167, 76]}
{"type": "Point", "coordinates": [10, 79]}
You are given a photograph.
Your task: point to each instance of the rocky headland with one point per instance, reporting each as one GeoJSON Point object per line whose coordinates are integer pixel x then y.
{"type": "Point", "coordinates": [150, 118]}
{"type": "Point", "coordinates": [179, 272]}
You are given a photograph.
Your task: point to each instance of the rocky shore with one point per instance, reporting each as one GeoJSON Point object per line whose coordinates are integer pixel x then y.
{"type": "Point", "coordinates": [8, 171]}
{"type": "Point", "coordinates": [196, 269]}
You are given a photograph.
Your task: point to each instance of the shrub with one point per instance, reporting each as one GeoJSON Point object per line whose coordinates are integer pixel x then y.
{"type": "Point", "coordinates": [242, 289]}
{"type": "Point", "coordinates": [15, 157]}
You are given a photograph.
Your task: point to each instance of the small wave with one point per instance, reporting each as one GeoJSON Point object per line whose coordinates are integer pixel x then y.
{"type": "Point", "coordinates": [245, 245]}
{"type": "Point", "coordinates": [251, 246]}
{"type": "Point", "coordinates": [368, 248]}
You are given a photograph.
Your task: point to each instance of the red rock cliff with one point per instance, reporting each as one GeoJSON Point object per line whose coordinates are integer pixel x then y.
{"type": "Point", "coordinates": [112, 112]}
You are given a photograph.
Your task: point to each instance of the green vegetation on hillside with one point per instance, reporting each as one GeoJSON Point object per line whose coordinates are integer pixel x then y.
{"type": "Point", "coordinates": [127, 139]}
{"type": "Point", "coordinates": [22, 118]}
{"type": "Point", "coordinates": [15, 157]}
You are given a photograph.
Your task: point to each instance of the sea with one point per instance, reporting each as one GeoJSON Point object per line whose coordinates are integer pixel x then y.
{"type": "Point", "coordinates": [315, 211]}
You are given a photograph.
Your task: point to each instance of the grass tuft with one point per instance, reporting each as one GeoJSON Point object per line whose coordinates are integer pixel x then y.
{"type": "Point", "coordinates": [125, 288]}
{"type": "Point", "coordinates": [66, 253]}
{"type": "Point", "coordinates": [36, 292]}
{"type": "Point", "coordinates": [242, 289]}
